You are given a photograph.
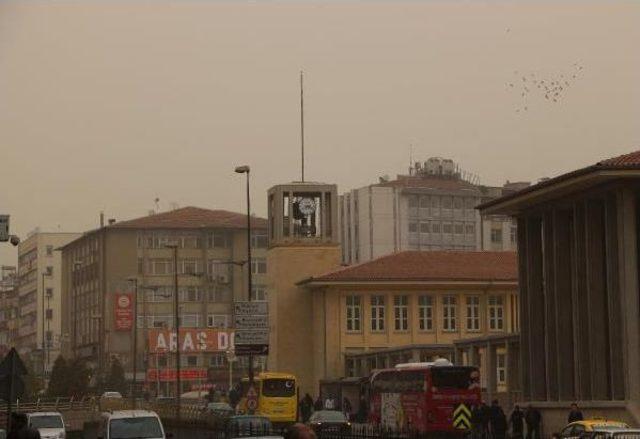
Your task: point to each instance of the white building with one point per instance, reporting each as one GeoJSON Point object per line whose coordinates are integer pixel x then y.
{"type": "Point", "coordinates": [40, 294]}
{"type": "Point", "coordinates": [432, 208]}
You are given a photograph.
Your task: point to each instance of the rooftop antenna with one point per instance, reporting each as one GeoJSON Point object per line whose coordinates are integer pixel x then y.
{"type": "Point", "coordinates": [302, 120]}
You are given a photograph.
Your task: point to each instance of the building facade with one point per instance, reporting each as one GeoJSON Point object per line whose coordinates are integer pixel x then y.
{"type": "Point", "coordinates": [432, 208]}
{"type": "Point", "coordinates": [40, 336]}
{"type": "Point", "coordinates": [413, 307]}
{"type": "Point", "coordinates": [105, 268]}
{"type": "Point", "coordinates": [9, 311]}
{"type": "Point", "coordinates": [578, 266]}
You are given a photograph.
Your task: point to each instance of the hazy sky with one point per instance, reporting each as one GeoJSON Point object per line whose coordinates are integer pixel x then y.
{"type": "Point", "coordinates": [105, 105]}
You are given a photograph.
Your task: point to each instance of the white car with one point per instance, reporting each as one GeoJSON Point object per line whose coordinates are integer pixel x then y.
{"type": "Point", "coordinates": [49, 424]}
{"type": "Point", "coordinates": [132, 424]}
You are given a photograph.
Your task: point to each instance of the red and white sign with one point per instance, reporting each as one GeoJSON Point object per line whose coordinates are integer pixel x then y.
{"type": "Point", "coordinates": [170, 374]}
{"type": "Point", "coordinates": [191, 340]}
{"type": "Point", "coordinates": [123, 311]}
{"type": "Point", "coordinates": [252, 398]}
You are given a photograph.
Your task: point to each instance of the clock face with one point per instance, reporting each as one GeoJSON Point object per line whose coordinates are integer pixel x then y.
{"type": "Point", "coordinates": [307, 206]}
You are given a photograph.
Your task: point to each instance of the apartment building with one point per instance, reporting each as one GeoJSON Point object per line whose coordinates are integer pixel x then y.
{"type": "Point", "coordinates": [9, 322]}
{"type": "Point", "coordinates": [101, 270]}
{"type": "Point", "coordinates": [432, 208]}
{"type": "Point", "coordinates": [40, 335]}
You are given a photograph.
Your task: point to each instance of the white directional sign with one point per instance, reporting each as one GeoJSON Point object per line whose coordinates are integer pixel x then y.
{"type": "Point", "coordinates": [250, 308]}
{"type": "Point", "coordinates": [251, 322]}
{"type": "Point", "coordinates": [251, 336]}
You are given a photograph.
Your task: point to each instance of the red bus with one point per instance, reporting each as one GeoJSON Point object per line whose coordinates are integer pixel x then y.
{"type": "Point", "coordinates": [422, 396]}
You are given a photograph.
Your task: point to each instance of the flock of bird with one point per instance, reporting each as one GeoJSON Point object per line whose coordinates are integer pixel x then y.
{"type": "Point", "coordinates": [548, 89]}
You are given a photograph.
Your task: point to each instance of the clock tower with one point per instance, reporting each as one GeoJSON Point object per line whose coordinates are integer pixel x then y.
{"type": "Point", "coordinates": [303, 242]}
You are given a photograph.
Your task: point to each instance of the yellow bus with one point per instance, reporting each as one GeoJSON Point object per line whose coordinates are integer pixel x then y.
{"type": "Point", "coordinates": [277, 397]}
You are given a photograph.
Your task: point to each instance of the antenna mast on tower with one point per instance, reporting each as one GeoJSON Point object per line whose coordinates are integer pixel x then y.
{"type": "Point", "coordinates": [302, 121]}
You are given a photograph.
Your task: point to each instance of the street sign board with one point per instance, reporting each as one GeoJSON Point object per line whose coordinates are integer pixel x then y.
{"type": "Point", "coordinates": [4, 228]}
{"type": "Point", "coordinates": [250, 308]}
{"type": "Point", "coordinates": [251, 349]}
{"type": "Point", "coordinates": [251, 336]}
{"type": "Point", "coordinates": [252, 399]}
{"type": "Point", "coordinates": [251, 322]}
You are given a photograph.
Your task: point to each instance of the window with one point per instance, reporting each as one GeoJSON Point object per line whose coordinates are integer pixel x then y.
{"type": "Point", "coordinates": [190, 294]}
{"type": "Point", "coordinates": [458, 229]}
{"type": "Point", "coordinates": [435, 227]}
{"type": "Point", "coordinates": [496, 236]}
{"type": "Point", "coordinates": [350, 367]}
{"type": "Point", "coordinates": [190, 266]}
{"type": "Point", "coordinates": [501, 368]}
{"type": "Point", "coordinates": [258, 292]}
{"type": "Point", "coordinates": [469, 203]}
{"type": "Point", "coordinates": [413, 227]}
{"type": "Point", "coordinates": [219, 271]}
{"type": "Point", "coordinates": [424, 227]}
{"type": "Point", "coordinates": [413, 201]}
{"type": "Point", "coordinates": [446, 202]}
{"type": "Point", "coordinates": [377, 313]}
{"type": "Point", "coordinates": [447, 228]}
{"type": "Point", "coordinates": [473, 313]}
{"type": "Point", "coordinates": [189, 320]}
{"type": "Point", "coordinates": [513, 234]}
{"type": "Point", "coordinates": [353, 313]}
{"type": "Point", "coordinates": [219, 294]}
{"type": "Point", "coordinates": [458, 202]}
{"type": "Point", "coordinates": [449, 313]}
{"type": "Point", "coordinates": [470, 229]}
{"type": "Point", "coordinates": [49, 292]}
{"type": "Point", "coordinates": [49, 314]}
{"type": "Point", "coordinates": [401, 312]}
{"type": "Point", "coordinates": [219, 240]}
{"type": "Point", "coordinates": [217, 360]}
{"type": "Point", "coordinates": [140, 266]}
{"type": "Point", "coordinates": [161, 361]}
{"type": "Point", "coordinates": [49, 250]}
{"type": "Point", "coordinates": [218, 321]}
{"type": "Point", "coordinates": [258, 266]}
{"type": "Point", "coordinates": [191, 242]}
{"type": "Point", "coordinates": [435, 202]}
{"type": "Point", "coordinates": [49, 271]}
{"type": "Point", "coordinates": [496, 313]}
{"type": "Point", "coordinates": [259, 241]}
{"type": "Point", "coordinates": [189, 360]}
{"type": "Point", "coordinates": [424, 202]}
{"type": "Point", "coordinates": [160, 266]}
{"type": "Point", "coordinates": [425, 313]}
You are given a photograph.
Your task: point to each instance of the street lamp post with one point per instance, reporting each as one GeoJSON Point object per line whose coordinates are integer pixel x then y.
{"type": "Point", "coordinates": [134, 382]}
{"type": "Point", "coordinates": [246, 170]}
{"type": "Point", "coordinates": [44, 349]}
{"type": "Point", "coordinates": [176, 304]}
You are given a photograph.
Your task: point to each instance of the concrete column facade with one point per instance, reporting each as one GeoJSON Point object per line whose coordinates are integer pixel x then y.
{"type": "Point", "coordinates": [525, 358]}
{"type": "Point", "coordinates": [550, 313]}
{"type": "Point", "coordinates": [537, 308]}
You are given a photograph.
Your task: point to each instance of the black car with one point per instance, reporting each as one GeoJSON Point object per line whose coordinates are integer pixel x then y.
{"type": "Point", "coordinates": [329, 421]}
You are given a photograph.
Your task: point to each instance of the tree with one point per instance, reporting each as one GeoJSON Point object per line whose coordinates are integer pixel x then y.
{"type": "Point", "coordinates": [79, 376]}
{"type": "Point", "coordinates": [32, 382]}
{"type": "Point", "coordinates": [59, 382]}
{"type": "Point", "coordinates": [116, 381]}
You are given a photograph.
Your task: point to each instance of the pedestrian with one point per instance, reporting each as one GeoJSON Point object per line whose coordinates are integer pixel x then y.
{"type": "Point", "coordinates": [346, 408]}
{"type": "Point", "coordinates": [498, 420]}
{"type": "Point", "coordinates": [575, 414]}
{"type": "Point", "coordinates": [476, 420]}
{"type": "Point", "coordinates": [234, 397]}
{"type": "Point", "coordinates": [485, 419]}
{"type": "Point", "coordinates": [317, 406]}
{"type": "Point", "coordinates": [363, 410]}
{"type": "Point", "coordinates": [306, 407]}
{"type": "Point", "coordinates": [517, 422]}
{"type": "Point", "coordinates": [20, 428]}
{"type": "Point", "coordinates": [532, 418]}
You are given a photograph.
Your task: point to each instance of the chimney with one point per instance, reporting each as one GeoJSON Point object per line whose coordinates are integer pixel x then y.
{"type": "Point", "coordinates": [101, 219]}
{"type": "Point", "coordinates": [112, 221]}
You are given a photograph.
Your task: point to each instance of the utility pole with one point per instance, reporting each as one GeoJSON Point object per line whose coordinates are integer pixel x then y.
{"type": "Point", "coordinates": [176, 304]}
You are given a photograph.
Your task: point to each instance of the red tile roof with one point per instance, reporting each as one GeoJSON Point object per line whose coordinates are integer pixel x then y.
{"type": "Point", "coordinates": [429, 266]}
{"type": "Point", "coordinates": [630, 161]}
{"type": "Point", "coordinates": [192, 218]}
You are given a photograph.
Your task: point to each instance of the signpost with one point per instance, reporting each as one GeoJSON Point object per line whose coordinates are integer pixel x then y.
{"type": "Point", "coordinates": [252, 328]}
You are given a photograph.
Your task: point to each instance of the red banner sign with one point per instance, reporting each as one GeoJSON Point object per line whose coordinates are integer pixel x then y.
{"type": "Point", "coordinates": [123, 311]}
{"type": "Point", "coordinates": [170, 374]}
{"type": "Point", "coordinates": [192, 340]}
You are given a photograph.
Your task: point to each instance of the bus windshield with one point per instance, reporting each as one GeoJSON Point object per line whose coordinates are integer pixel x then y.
{"type": "Point", "coordinates": [451, 377]}
{"type": "Point", "coordinates": [278, 387]}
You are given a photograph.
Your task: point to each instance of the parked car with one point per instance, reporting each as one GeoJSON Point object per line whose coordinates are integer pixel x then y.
{"type": "Point", "coordinates": [49, 424]}
{"type": "Point", "coordinates": [579, 428]}
{"type": "Point", "coordinates": [132, 424]}
{"type": "Point", "coordinates": [324, 421]}
{"type": "Point", "coordinates": [612, 433]}
{"type": "Point", "coordinates": [109, 395]}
